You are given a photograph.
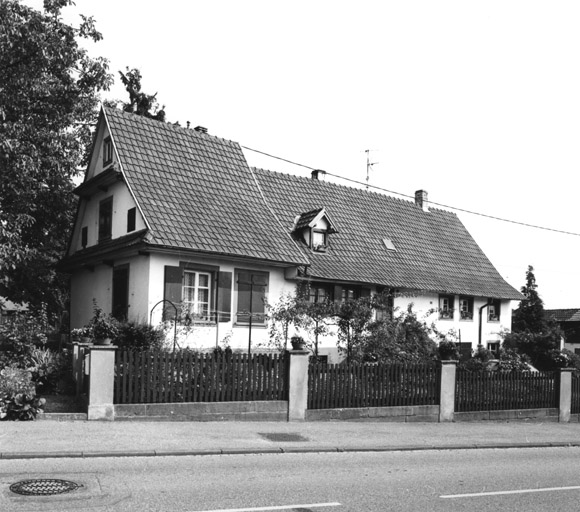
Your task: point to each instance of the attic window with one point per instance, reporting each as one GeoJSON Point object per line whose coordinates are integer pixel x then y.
{"type": "Point", "coordinates": [107, 151]}
{"type": "Point", "coordinates": [389, 244]}
{"type": "Point", "coordinates": [319, 240]}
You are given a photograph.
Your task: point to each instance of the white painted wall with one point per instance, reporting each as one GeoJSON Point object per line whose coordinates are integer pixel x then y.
{"type": "Point", "coordinates": [87, 285]}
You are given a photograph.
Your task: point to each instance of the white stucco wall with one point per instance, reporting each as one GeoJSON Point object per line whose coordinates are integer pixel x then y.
{"type": "Point", "coordinates": [200, 335]}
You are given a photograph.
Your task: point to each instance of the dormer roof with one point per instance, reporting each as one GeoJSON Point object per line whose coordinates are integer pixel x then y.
{"type": "Point", "coordinates": [310, 219]}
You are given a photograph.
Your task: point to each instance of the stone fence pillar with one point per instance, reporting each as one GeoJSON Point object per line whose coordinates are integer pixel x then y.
{"type": "Point", "coordinates": [565, 404]}
{"type": "Point", "coordinates": [447, 397]}
{"type": "Point", "coordinates": [298, 385]}
{"type": "Point", "coordinates": [101, 382]}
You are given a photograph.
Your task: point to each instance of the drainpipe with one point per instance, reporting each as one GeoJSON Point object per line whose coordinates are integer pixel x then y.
{"type": "Point", "coordinates": [481, 321]}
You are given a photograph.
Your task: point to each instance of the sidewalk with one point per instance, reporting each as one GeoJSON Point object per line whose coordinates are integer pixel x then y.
{"type": "Point", "coordinates": [43, 439]}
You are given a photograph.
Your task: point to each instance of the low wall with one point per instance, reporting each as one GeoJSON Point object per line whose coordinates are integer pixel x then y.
{"type": "Point", "coordinates": [511, 415]}
{"type": "Point", "coordinates": [205, 411]}
{"type": "Point", "coordinates": [424, 413]}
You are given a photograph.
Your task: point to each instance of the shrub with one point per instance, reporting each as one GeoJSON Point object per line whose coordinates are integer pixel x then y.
{"type": "Point", "coordinates": [18, 400]}
{"type": "Point", "coordinates": [139, 336]}
{"type": "Point", "coordinates": [49, 369]}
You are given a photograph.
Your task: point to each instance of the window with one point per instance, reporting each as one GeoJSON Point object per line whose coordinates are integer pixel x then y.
{"type": "Point", "coordinates": [446, 307]}
{"type": "Point", "coordinates": [493, 311]}
{"type": "Point", "coordinates": [84, 237]}
{"type": "Point", "coordinates": [466, 308]}
{"type": "Point", "coordinates": [105, 219]}
{"type": "Point", "coordinates": [493, 347]}
{"type": "Point", "coordinates": [196, 296]}
{"type": "Point", "coordinates": [107, 151]}
{"type": "Point", "coordinates": [131, 213]}
{"type": "Point", "coordinates": [319, 240]}
{"type": "Point", "coordinates": [252, 290]}
{"type": "Point", "coordinates": [319, 294]}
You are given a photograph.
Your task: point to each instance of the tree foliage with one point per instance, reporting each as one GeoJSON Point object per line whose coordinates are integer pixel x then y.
{"type": "Point", "coordinates": [532, 334]}
{"type": "Point", "coordinates": [139, 102]}
{"type": "Point", "coordinates": [49, 94]}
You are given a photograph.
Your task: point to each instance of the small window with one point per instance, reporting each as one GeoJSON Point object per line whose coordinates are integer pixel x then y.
{"type": "Point", "coordinates": [389, 244]}
{"type": "Point", "coordinates": [493, 311]}
{"type": "Point", "coordinates": [319, 294]}
{"type": "Point", "coordinates": [131, 213]}
{"type": "Point", "coordinates": [466, 308]}
{"type": "Point", "coordinates": [196, 296]}
{"type": "Point", "coordinates": [107, 151]}
{"type": "Point", "coordinates": [493, 347]}
{"type": "Point", "coordinates": [105, 219]}
{"type": "Point", "coordinates": [84, 236]}
{"type": "Point", "coordinates": [446, 304]}
{"type": "Point", "coordinates": [319, 240]}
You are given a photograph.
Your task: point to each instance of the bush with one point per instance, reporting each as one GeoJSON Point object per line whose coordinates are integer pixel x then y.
{"type": "Point", "coordinates": [139, 336]}
{"type": "Point", "coordinates": [50, 369]}
{"type": "Point", "coordinates": [18, 399]}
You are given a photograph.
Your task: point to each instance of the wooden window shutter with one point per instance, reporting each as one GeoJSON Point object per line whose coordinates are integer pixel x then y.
{"type": "Point", "coordinates": [337, 293]}
{"type": "Point", "coordinates": [224, 296]}
{"type": "Point", "coordinates": [173, 283]}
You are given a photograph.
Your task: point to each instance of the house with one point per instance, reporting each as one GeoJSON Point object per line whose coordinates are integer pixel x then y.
{"type": "Point", "coordinates": [569, 321]}
{"type": "Point", "coordinates": [172, 222]}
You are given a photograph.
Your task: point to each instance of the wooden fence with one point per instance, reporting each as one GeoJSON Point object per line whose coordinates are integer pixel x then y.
{"type": "Point", "coordinates": [575, 401]}
{"type": "Point", "coordinates": [333, 386]}
{"type": "Point", "coordinates": [159, 377]}
{"type": "Point", "coordinates": [500, 391]}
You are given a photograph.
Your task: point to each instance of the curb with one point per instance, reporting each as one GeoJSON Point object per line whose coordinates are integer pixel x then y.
{"type": "Point", "coordinates": [280, 450]}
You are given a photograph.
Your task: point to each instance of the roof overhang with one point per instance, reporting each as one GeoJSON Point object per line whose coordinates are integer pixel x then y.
{"type": "Point", "coordinates": [100, 183]}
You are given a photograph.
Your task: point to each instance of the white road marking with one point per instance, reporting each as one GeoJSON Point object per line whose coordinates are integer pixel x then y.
{"type": "Point", "coordinates": [521, 491]}
{"type": "Point", "coordinates": [283, 507]}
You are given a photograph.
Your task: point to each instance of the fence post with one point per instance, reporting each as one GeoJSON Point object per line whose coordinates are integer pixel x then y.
{"type": "Point", "coordinates": [298, 385]}
{"type": "Point", "coordinates": [78, 357]}
{"type": "Point", "coordinates": [565, 394]}
{"type": "Point", "coordinates": [101, 382]}
{"type": "Point", "coordinates": [447, 396]}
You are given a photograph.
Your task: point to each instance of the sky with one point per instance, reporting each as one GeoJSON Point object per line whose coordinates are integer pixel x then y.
{"type": "Point", "coordinates": [477, 102]}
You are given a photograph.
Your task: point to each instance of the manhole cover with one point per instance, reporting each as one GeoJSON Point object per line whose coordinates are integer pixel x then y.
{"type": "Point", "coordinates": [282, 437]}
{"type": "Point", "coordinates": [44, 487]}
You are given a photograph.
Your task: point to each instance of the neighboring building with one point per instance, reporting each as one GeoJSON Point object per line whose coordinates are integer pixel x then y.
{"type": "Point", "coordinates": [569, 322]}
{"type": "Point", "coordinates": [173, 214]}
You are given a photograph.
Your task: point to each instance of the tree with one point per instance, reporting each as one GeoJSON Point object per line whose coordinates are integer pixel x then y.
{"type": "Point", "coordinates": [49, 96]}
{"type": "Point", "coordinates": [140, 103]}
{"type": "Point", "coordinates": [529, 316]}
{"type": "Point", "coordinates": [532, 334]}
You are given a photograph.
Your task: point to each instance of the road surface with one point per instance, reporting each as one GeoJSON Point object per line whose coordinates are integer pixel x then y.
{"type": "Point", "coordinates": [476, 480]}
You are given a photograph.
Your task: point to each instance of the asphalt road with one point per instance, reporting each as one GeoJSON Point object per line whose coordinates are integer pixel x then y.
{"type": "Point", "coordinates": [495, 479]}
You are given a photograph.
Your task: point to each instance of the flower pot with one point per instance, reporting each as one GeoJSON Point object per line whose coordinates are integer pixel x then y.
{"type": "Point", "coordinates": [103, 341]}
{"type": "Point", "coordinates": [297, 343]}
{"type": "Point", "coordinates": [86, 339]}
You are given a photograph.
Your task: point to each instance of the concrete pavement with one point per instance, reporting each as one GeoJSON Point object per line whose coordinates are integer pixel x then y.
{"type": "Point", "coordinates": [44, 439]}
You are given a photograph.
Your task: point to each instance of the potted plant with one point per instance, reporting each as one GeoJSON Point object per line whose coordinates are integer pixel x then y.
{"type": "Point", "coordinates": [104, 327]}
{"type": "Point", "coordinates": [297, 342]}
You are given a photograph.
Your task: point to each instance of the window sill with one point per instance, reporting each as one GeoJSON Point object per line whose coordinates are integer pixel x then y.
{"type": "Point", "coordinates": [256, 325]}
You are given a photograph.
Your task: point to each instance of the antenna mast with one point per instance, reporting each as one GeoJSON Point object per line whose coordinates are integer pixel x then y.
{"type": "Point", "coordinates": [369, 165]}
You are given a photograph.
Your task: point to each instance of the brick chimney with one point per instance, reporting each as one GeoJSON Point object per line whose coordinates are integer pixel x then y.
{"type": "Point", "coordinates": [318, 174]}
{"type": "Point", "coordinates": [421, 200]}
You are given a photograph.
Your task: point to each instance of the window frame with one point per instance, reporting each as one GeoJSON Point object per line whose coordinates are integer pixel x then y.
{"type": "Point", "coordinates": [131, 219]}
{"type": "Point", "coordinates": [466, 315]}
{"type": "Point", "coordinates": [107, 151]}
{"type": "Point", "coordinates": [319, 247]}
{"type": "Point", "coordinates": [494, 310]}
{"type": "Point", "coordinates": [105, 233]}
{"type": "Point", "coordinates": [448, 312]}
{"type": "Point", "coordinates": [256, 320]}
{"type": "Point", "coordinates": [193, 305]}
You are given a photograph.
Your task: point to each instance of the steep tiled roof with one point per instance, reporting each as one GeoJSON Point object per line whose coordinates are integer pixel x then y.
{"type": "Point", "coordinates": [433, 252]}
{"type": "Point", "coordinates": [196, 191]}
{"type": "Point", "coordinates": [563, 315]}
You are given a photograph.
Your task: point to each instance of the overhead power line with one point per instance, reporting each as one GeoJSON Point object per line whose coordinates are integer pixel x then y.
{"type": "Point", "coordinates": [493, 217]}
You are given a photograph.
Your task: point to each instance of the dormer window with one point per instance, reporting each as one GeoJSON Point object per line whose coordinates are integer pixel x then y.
{"type": "Point", "coordinates": [319, 240]}
{"type": "Point", "coordinates": [314, 228]}
{"type": "Point", "coordinates": [107, 151]}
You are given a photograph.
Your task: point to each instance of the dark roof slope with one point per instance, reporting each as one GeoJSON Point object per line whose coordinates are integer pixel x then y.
{"type": "Point", "coordinates": [433, 252]}
{"type": "Point", "coordinates": [563, 315]}
{"type": "Point", "coordinates": [197, 191]}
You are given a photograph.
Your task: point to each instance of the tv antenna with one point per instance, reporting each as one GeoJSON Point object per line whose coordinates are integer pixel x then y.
{"type": "Point", "coordinates": [369, 165]}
